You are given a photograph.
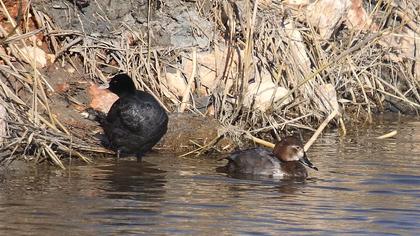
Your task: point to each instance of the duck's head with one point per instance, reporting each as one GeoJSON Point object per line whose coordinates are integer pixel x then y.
{"type": "Point", "coordinates": [121, 84]}
{"type": "Point", "coordinates": [291, 149]}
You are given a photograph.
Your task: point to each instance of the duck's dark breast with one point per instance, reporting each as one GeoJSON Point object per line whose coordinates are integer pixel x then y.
{"type": "Point", "coordinates": [135, 123]}
{"type": "Point", "coordinates": [294, 169]}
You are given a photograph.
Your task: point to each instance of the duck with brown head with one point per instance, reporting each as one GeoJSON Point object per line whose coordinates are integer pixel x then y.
{"type": "Point", "coordinates": [288, 159]}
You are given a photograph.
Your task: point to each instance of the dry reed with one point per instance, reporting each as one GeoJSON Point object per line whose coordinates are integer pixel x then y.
{"type": "Point", "coordinates": [258, 39]}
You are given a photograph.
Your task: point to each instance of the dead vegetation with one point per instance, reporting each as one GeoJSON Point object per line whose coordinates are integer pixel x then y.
{"type": "Point", "coordinates": [272, 66]}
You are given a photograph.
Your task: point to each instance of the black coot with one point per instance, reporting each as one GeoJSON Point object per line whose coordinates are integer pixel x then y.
{"type": "Point", "coordinates": [136, 121]}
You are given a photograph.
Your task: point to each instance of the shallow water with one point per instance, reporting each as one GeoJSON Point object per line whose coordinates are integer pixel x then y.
{"type": "Point", "coordinates": [364, 186]}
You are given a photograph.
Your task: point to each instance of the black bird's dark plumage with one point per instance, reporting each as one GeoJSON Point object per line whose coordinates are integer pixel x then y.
{"type": "Point", "coordinates": [136, 121]}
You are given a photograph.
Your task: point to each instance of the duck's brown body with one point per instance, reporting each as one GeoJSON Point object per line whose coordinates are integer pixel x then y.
{"type": "Point", "coordinates": [286, 160]}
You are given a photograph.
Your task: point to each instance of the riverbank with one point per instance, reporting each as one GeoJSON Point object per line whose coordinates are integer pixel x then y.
{"type": "Point", "coordinates": [259, 69]}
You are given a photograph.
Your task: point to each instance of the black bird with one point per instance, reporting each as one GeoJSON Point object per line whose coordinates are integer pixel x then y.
{"type": "Point", "coordinates": [136, 121]}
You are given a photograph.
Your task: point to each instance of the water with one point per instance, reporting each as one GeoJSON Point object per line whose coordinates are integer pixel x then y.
{"type": "Point", "coordinates": [364, 186]}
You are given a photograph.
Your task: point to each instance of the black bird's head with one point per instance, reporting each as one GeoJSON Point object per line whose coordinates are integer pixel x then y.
{"type": "Point", "coordinates": [121, 84]}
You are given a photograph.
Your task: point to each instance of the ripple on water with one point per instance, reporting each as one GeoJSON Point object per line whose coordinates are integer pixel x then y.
{"type": "Point", "coordinates": [364, 186]}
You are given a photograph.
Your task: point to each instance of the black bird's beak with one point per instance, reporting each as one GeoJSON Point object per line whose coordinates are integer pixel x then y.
{"type": "Point", "coordinates": [304, 160]}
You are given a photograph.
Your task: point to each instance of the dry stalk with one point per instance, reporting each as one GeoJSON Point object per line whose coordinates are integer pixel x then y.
{"type": "Point", "coordinates": [186, 96]}
{"type": "Point", "coordinates": [388, 135]}
{"type": "Point", "coordinates": [320, 129]}
{"type": "Point", "coordinates": [258, 41]}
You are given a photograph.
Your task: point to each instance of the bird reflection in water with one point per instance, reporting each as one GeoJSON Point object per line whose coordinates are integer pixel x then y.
{"type": "Point", "coordinates": [134, 180]}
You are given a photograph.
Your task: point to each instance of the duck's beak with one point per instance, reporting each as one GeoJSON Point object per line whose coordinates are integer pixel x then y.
{"type": "Point", "coordinates": [304, 160]}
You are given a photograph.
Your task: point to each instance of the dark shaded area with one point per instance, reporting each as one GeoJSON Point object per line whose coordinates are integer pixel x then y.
{"type": "Point", "coordinates": [127, 176]}
{"type": "Point", "coordinates": [80, 3]}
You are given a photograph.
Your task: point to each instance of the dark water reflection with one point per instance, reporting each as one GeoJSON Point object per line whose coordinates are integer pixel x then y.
{"type": "Point", "coordinates": [364, 186]}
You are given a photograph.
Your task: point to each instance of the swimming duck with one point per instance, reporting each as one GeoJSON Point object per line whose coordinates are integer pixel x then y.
{"type": "Point", "coordinates": [136, 121]}
{"type": "Point", "coordinates": [286, 160]}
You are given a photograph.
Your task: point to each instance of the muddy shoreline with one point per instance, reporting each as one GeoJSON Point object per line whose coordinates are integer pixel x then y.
{"type": "Point", "coordinates": [230, 73]}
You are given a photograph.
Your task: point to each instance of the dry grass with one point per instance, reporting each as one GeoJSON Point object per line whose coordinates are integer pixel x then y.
{"type": "Point", "coordinates": [356, 63]}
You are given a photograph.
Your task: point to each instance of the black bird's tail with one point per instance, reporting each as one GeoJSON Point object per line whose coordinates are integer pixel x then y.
{"type": "Point", "coordinates": [95, 115]}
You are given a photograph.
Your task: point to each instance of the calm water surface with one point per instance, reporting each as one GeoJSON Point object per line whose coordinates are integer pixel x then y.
{"type": "Point", "coordinates": [364, 186]}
